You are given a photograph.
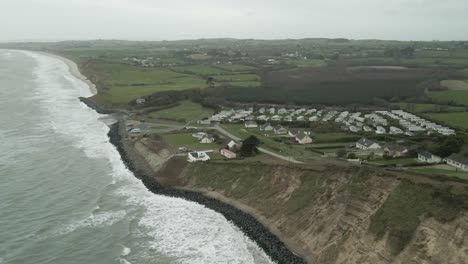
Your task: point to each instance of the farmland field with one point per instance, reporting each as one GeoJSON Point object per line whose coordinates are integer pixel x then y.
{"type": "Point", "coordinates": [236, 67]}
{"type": "Point", "coordinates": [451, 119]}
{"type": "Point", "coordinates": [455, 85]}
{"type": "Point", "coordinates": [199, 70]}
{"type": "Point", "coordinates": [237, 77]}
{"type": "Point", "coordinates": [465, 72]}
{"type": "Point", "coordinates": [458, 97]}
{"type": "Point", "coordinates": [245, 84]}
{"type": "Point", "coordinates": [308, 63]}
{"type": "Point", "coordinates": [186, 111]}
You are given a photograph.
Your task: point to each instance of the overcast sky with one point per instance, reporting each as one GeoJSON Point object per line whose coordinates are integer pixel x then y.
{"type": "Point", "coordinates": [266, 19]}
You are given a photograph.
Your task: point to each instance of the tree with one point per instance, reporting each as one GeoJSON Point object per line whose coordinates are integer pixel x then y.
{"type": "Point", "coordinates": [249, 146]}
{"type": "Point", "coordinates": [210, 81]}
{"type": "Point", "coordinates": [352, 156]}
{"type": "Point", "coordinates": [450, 145]}
{"type": "Point", "coordinates": [341, 153]}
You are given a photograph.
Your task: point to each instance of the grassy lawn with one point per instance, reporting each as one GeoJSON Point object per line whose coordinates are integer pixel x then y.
{"type": "Point", "coordinates": [308, 63]}
{"type": "Point", "coordinates": [245, 84]}
{"type": "Point", "coordinates": [199, 70]}
{"type": "Point", "coordinates": [451, 119]}
{"type": "Point", "coordinates": [186, 111]}
{"type": "Point", "coordinates": [186, 140]}
{"type": "Point", "coordinates": [236, 67]}
{"type": "Point", "coordinates": [465, 71]}
{"type": "Point", "coordinates": [334, 137]}
{"type": "Point", "coordinates": [435, 171]}
{"type": "Point", "coordinates": [459, 97]}
{"type": "Point", "coordinates": [238, 77]}
{"type": "Point", "coordinates": [402, 161]}
{"type": "Point", "coordinates": [424, 108]}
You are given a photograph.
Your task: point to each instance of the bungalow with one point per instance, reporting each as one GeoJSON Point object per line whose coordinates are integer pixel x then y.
{"type": "Point", "coordinates": [250, 124]}
{"type": "Point", "coordinates": [280, 130]}
{"type": "Point", "coordinates": [457, 161]}
{"type": "Point", "coordinates": [197, 156]}
{"type": "Point", "coordinates": [266, 127]}
{"type": "Point", "coordinates": [261, 110]}
{"type": "Point", "coordinates": [271, 111]}
{"type": "Point", "coordinates": [207, 139]}
{"type": "Point", "coordinates": [282, 111]}
{"type": "Point", "coordinates": [396, 151]}
{"type": "Point", "coordinates": [428, 157]}
{"type": "Point", "coordinates": [204, 122]}
{"type": "Point", "coordinates": [232, 145]}
{"type": "Point", "coordinates": [313, 119]}
{"type": "Point", "coordinates": [300, 118]}
{"type": "Point", "coordinates": [303, 138]}
{"type": "Point", "coordinates": [227, 153]}
{"type": "Point", "coordinates": [293, 132]}
{"type": "Point", "coordinates": [366, 144]}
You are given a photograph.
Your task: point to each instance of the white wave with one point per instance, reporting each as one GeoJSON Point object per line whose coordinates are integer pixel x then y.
{"type": "Point", "coordinates": [186, 231]}
{"type": "Point", "coordinates": [125, 251]}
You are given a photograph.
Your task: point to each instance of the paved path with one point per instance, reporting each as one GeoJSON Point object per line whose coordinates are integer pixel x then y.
{"type": "Point", "coordinates": [268, 152]}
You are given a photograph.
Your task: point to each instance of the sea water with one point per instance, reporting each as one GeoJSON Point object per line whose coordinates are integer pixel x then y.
{"type": "Point", "coordinates": [66, 196]}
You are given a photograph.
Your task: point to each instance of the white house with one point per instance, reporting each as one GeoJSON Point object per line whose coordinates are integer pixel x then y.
{"type": "Point", "coordinates": [457, 161]}
{"type": "Point", "coordinates": [197, 156]}
{"type": "Point", "coordinates": [227, 153]}
{"type": "Point", "coordinates": [428, 157]}
{"type": "Point", "coordinates": [207, 139]}
{"type": "Point", "coordinates": [280, 130]}
{"type": "Point", "coordinates": [282, 111]}
{"type": "Point", "coordinates": [250, 124]}
{"type": "Point", "coordinates": [366, 144]}
{"type": "Point", "coordinates": [303, 138]}
{"type": "Point", "coordinates": [276, 118]}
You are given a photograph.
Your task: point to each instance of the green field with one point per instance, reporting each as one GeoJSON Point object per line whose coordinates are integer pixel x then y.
{"type": "Point", "coordinates": [185, 111]}
{"type": "Point", "coordinates": [245, 84]}
{"type": "Point", "coordinates": [236, 67]}
{"type": "Point", "coordinates": [397, 161]}
{"type": "Point", "coordinates": [451, 119]}
{"type": "Point", "coordinates": [199, 70]}
{"type": "Point", "coordinates": [334, 137]}
{"type": "Point", "coordinates": [308, 63]}
{"type": "Point", "coordinates": [465, 71]}
{"type": "Point", "coordinates": [186, 140]}
{"type": "Point", "coordinates": [237, 77]}
{"type": "Point", "coordinates": [458, 97]}
{"type": "Point", "coordinates": [425, 108]}
{"type": "Point", "coordinates": [413, 62]}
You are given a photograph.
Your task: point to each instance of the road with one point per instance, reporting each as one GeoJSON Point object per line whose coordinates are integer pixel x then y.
{"type": "Point", "coordinates": [268, 152]}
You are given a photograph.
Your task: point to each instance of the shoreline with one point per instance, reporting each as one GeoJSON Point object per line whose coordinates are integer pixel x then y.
{"type": "Point", "coordinates": [263, 236]}
{"type": "Point", "coordinates": [269, 240]}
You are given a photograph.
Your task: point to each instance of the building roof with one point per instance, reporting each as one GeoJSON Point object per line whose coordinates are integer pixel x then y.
{"type": "Point", "coordinates": [366, 142]}
{"type": "Point", "coordinates": [426, 154]}
{"type": "Point", "coordinates": [301, 135]}
{"type": "Point", "coordinates": [459, 159]}
{"type": "Point", "coordinates": [250, 123]}
{"type": "Point", "coordinates": [397, 148]}
{"type": "Point", "coordinates": [266, 125]}
{"type": "Point", "coordinates": [294, 131]}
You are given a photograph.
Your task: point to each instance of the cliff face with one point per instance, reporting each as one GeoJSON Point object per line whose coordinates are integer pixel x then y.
{"type": "Point", "coordinates": [340, 215]}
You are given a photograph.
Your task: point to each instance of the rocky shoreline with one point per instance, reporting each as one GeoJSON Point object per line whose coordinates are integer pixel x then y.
{"type": "Point", "coordinates": [275, 248]}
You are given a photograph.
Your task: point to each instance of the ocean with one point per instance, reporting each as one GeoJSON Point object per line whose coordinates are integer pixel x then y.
{"type": "Point", "coordinates": [66, 196]}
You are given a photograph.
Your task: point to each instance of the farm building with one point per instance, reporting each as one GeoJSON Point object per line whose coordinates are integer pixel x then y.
{"type": "Point", "coordinates": [428, 157]}
{"type": "Point", "coordinates": [366, 144]}
{"type": "Point", "coordinates": [458, 162]}
{"type": "Point", "coordinates": [227, 153]}
{"type": "Point", "coordinates": [197, 156]}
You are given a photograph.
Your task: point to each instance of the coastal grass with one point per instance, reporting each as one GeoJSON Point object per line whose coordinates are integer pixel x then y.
{"type": "Point", "coordinates": [185, 111]}
{"type": "Point", "coordinates": [428, 108]}
{"type": "Point", "coordinates": [436, 171]}
{"type": "Point", "coordinates": [186, 140]}
{"type": "Point", "coordinates": [407, 205]}
{"type": "Point", "coordinates": [459, 119]}
{"type": "Point", "coordinates": [444, 97]}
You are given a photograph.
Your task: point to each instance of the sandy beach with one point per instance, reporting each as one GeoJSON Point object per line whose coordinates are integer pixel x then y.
{"type": "Point", "coordinates": [74, 70]}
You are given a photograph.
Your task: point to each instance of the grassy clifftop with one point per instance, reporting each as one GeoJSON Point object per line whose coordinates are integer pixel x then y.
{"type": "Point", "coordinates": [342, 214]}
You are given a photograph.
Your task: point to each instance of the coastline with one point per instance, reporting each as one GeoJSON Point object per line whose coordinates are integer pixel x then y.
{"type": "Point", "coordinates": [279, 250]}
